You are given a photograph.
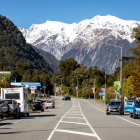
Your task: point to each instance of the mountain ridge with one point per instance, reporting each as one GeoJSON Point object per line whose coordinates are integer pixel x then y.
{"type": "Point", "coordinates": [83, 38]}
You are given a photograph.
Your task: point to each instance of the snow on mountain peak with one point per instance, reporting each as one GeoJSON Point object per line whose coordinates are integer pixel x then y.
{"type": "Point", "coordinates": [54, 35]}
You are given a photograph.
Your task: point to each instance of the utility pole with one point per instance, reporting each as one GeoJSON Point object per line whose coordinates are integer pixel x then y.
{"type": "Point", "coordinates": [105, 88]}
{"type": "Point", "coordinates": [77, 87]}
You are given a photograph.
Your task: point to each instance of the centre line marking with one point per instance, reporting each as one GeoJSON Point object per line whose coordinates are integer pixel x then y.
{"type": "Point", "coordinates": [58, 124]}
{"type": "Point", "coordinates": [76, 132]}
{"type": "Point", "coordinates": [89, 124]}
{"type": "Point", "coordinates": [74, 122]}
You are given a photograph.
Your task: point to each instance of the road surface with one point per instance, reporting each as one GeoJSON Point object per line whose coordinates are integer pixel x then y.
{"type": "Point", "coordinates": [71, 120]}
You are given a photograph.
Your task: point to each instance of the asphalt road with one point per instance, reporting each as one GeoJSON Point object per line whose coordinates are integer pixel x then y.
{"type": "Point", "coordinates": [71, 120]}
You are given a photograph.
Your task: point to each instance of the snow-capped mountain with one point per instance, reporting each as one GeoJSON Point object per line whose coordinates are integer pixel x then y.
{"type": "Point", "coordinates": [85, 41]}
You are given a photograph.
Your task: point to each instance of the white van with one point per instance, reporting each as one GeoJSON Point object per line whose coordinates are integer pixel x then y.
{"type": "Point", "coordinates": [20, 94]}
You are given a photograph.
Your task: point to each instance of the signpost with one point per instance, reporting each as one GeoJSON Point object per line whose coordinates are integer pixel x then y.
{"type": "Point", "coordinates": [32, 87]}
{"type": "Point", "coordinates": [44, 88]}
{"type": "Point", "coordinates": [5, 72]}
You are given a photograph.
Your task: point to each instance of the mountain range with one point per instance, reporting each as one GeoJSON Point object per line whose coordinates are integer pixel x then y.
{"type": "Point", "coordinates": [87, 41]}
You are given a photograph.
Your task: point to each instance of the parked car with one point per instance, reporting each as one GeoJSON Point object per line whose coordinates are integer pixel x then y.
{"type": "Point", "coordinates": [133, 107]}
{"type": "Point", "coordinates": [49, 104]}
{"type": "Point", "coordinates": [37, 106]}
{"type": "Point", "coordinates": [9, 108]}
{"type": "Point", "coordinates": [115, 106]}
{"type": "Point", "coordinates": [66, 98]}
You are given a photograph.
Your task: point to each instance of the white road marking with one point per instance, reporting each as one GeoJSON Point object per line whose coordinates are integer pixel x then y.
{"type": "Point", "coordinates": [74, 117]}
{"type": "Point", "coordinates": [116, 116]}
{"type": "Point", "coordinates": [73, 114]}
{"type": "Point", "coordinates": [10, 124]}
{"type": "Point", "coordinates": [58, 124]}
{"type": "Point", "coordinates": [128, 120]}
{"type": "Point", "coordinates": [96, 107]}
{"type": "Point", "coordinates": [74, 122]}
{"type": "Point", "coordinates": [76, 132]}
{"type": "Point", "coordinates": [89, 124]}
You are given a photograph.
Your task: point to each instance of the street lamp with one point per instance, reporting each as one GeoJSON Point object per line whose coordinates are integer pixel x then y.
{"type": "Point", "coordinates": [77, 86]}
{"type": "Point", "coordinates": [105, 86]}
{"type": "Point", "coordinates": [120, 71]}
{"type": "Point", "coordinates": [55, 83]}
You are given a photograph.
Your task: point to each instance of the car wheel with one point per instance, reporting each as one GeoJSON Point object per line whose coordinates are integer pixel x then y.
{"type": "Point", "coordinates": [27, 114]}
{"type": "Point", "coordinates": [2, 117]}
{"type": "Point", "coordinates": [107, 113]}
{"type": "Point", "coordinates": [42, 110]}
{"type": "Point", "coordinates": [131, 115]}
{"type": "Point", "coordinates": [16, 115]}
{"type": "Point", "coordinates": [134, 116]}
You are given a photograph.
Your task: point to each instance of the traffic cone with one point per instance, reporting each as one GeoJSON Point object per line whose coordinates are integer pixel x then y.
{"type": "Point", "coordinates": [97, 102]}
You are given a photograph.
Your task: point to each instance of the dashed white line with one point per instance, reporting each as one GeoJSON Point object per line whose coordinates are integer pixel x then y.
{"type": "Point", "coordinates": [76, 132]}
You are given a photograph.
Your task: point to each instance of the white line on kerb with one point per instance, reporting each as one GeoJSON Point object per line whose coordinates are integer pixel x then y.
{"type": "Point", "coordinates": [74, 122]}
{"type": "Point", "coordinates": [58, 124]}
{"type": "Point", "coordinates": [76, 132]}
{"type": "Point", "coordinates": [61, 105]}
{"type": "Point", "coordinates": [128, 120]}
{"type": "Point", "coordinates": [116, 116]}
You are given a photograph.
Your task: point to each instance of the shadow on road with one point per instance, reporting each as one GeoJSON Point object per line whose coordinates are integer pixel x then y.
{"type": "Point", "coordinates": [5, 124]}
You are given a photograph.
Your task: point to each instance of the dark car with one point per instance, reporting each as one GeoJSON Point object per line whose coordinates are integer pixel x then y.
{"type": "Point", "coordinates": [66, 98]}
{"type": "Point", "coordinates": [115, 106]}
{"type": "Point", "coordinates": [37, 106]}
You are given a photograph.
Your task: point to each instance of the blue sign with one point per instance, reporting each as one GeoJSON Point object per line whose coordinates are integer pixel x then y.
{"type": "Point", "coordinates": [34, 99]}
{"type": "Point", "coordinates": [101, 94]}
{"type": "Point", "coordinates": [44, 87]}
{"type": "Point", "coordinates": [29, 83]}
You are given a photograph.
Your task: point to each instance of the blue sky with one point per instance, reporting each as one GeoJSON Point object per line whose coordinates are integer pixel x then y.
{"type": "Point", "coordinates": [26, 12]}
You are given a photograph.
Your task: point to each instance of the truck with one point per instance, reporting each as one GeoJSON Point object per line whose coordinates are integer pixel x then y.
{"type": "Point", "coordinates": [132, 107]}
{"type": "Point", "coordinates": [20, 94]}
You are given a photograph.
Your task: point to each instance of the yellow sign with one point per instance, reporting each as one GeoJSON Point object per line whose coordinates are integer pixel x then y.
{"type": "Point", "coordinates": [93, 90]}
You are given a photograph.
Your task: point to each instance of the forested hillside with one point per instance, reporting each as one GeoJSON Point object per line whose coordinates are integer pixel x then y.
{"type": "Point", "coordinates": [13, 48]}
{"type": "Point", "coordinates": [49, 58]}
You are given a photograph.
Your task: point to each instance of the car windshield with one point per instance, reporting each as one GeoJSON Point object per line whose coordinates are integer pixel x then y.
{"type": "Point", "coordinates": [137, 103]}
{"type": "Point", "coordinates": [36, 103]}
{"type": "Point", "coordinates": [49, 101]}
{"type": "Point", "coordinates": [6, 101]}
{"type": "Point", "coordinates": [115, 103]}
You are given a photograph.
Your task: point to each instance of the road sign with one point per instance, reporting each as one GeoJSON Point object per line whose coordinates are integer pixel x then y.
{"type": "Point", "coordinates": [57, 89]}
{"type": "Point", "coordinates": [5, 72]}
{"type": "Point", "coordinates": [32, 87]}
{"type": "Point", "coordinates": [76, 88]}
{"type": "Point", "coordinates": [44, 87]}
{"type": "Point", "coordinates": [32, 91]}
{"type": "Point", "coordinates": [103, 91]}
